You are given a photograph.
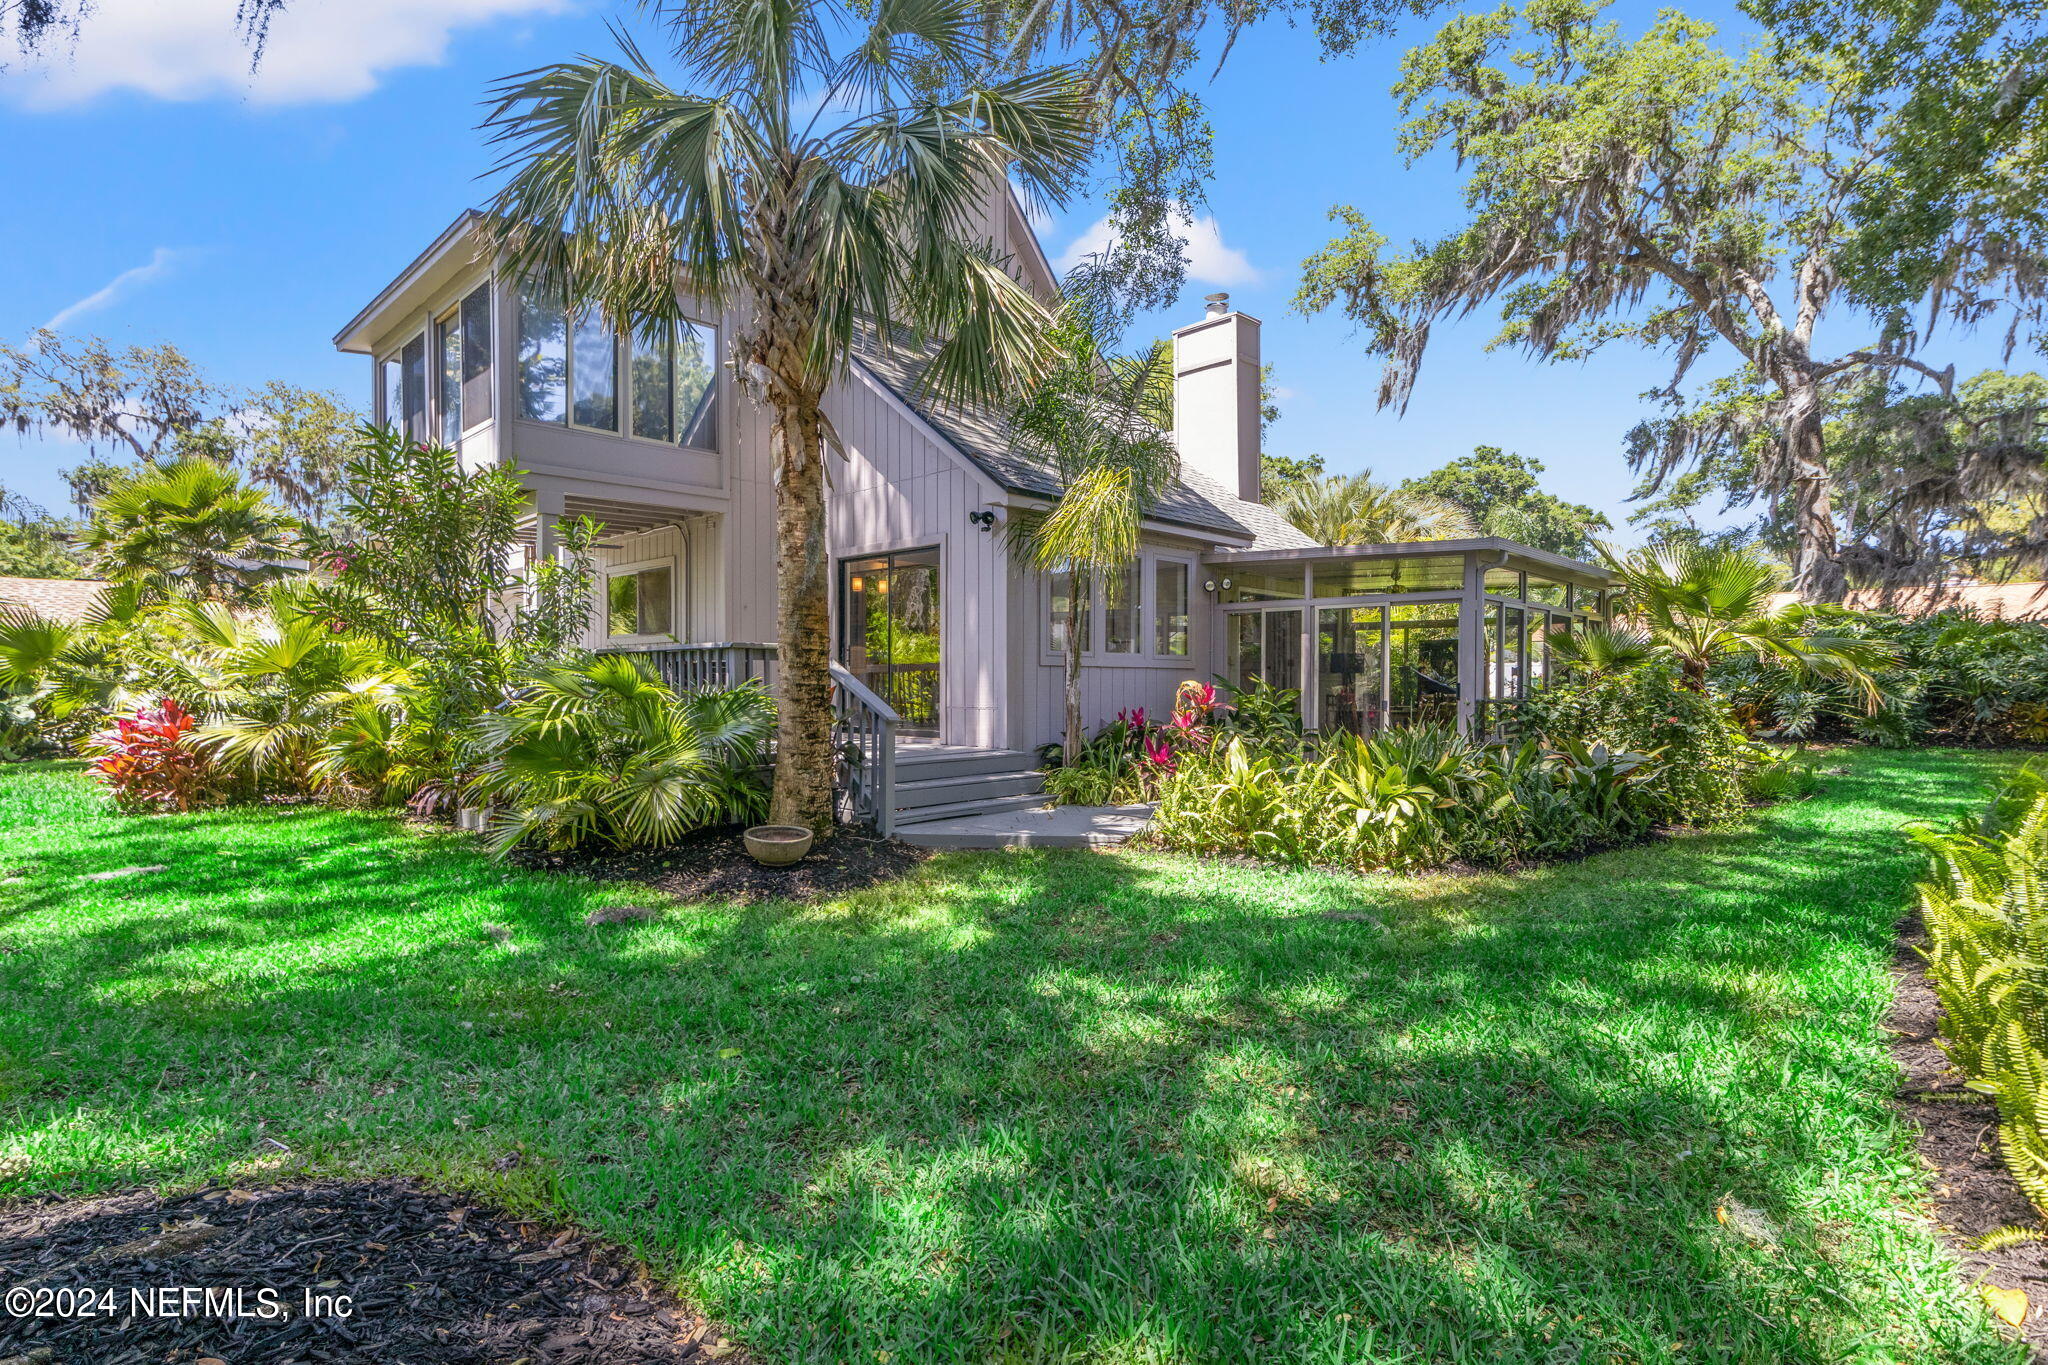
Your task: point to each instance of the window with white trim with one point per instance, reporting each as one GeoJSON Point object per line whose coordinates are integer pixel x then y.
{"type": "Point", "coordinates": [1139, 611]}
{"type": "Point", "coordinates": [639, 600]}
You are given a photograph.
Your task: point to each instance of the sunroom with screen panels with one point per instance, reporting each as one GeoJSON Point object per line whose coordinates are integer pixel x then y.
{"type": "Point", "coordinates": [1377, 636]}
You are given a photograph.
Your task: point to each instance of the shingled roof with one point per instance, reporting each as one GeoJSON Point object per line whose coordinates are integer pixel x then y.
{"type": "Point", "coordinates": [60, 599]}
{"type": "Point", "coordinates": [982, 437]}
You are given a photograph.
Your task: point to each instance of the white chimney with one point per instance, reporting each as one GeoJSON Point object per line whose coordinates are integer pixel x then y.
{"type": "Point", "coordinates": [1216, 396]}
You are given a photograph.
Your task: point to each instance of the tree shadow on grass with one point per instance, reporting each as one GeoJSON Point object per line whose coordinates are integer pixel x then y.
{"type": "Point", "coordinates": [1069, 1106]}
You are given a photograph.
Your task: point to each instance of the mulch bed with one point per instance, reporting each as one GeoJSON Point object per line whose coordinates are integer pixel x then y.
{"type": "Point", "coordinates": [714, 864]}
{"type": "Point", "coordinates": [430, 1279]}
{"type": "Point", "coordinates": [1973, 1191]}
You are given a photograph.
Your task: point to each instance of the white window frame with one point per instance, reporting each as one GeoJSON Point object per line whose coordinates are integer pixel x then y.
{"type": "Point", "coordinates": [622, 368]}
{"type": "Point", "coordinates": [1148, 606]}
{"type": "Point", "coordinates": [678, 626]}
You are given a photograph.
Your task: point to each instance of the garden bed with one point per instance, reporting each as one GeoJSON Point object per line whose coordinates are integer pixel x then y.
{"type": "Point", "coordinates": [429, 1280]}
{"type": "Point", "coordinates": [714, 865]}
{"type": "Point", "coordinates": [1957, 1135]}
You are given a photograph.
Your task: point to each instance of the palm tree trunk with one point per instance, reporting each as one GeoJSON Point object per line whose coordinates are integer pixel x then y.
{"type": "Point", "coordinates": [804, 768]}
{"type": "Point", "coordinates": [1077, 587]}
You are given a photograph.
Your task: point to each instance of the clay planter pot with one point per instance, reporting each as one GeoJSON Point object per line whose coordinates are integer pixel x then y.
{"type": "Point", "coordinates": [776, 845]}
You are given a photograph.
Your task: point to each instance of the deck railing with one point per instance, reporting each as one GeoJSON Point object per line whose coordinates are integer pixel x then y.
{"type": "Point", "coordinates": [863, 725]}
{"type": "Point", "coordinates": [864, 735]}
{"type": "Point", "coordinates": [693, 668]}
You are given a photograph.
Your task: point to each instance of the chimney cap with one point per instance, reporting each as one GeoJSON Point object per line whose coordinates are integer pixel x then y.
{"type": "Point", "coordinates": [1216, 305]}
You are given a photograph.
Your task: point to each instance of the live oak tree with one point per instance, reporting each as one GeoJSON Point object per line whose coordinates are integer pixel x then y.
{"type": "Point", "coordinates": [1669, 192]}
{"type": "Point", "coordinates": [1497, 489]}
{"type": "Point", "coordinates": [38, 25]}
{"type": "Point", "coordinates": [150, 405]}
{"type": "Point", "coordinates": [828, 190]}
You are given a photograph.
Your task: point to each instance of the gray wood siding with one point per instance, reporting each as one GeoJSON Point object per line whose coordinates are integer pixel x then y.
{"type": "Point", "coordinates": [898, 489]}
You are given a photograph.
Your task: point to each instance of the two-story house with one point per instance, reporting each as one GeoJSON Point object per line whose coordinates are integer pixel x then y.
{"type": "Point", "coordinates": [651, 437]}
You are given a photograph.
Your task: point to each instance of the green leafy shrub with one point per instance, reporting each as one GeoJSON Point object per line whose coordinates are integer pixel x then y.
{"type": "Point", "coordinates": [598, 750]}
{"type": "Point", "coordinates": [1417, 797]}
{"type": "Point", "coordinates": [1952, 677]}
{"type": "Point", "coordinates": [1129, 758]}
{"type": "Point", "coordinates": [1985, 907]}
{"type": "Point", "coordinates": [1704, 761]}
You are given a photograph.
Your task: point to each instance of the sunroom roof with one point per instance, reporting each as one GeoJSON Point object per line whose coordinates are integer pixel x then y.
{"type": "Point", "coordinates": [1513, 555]}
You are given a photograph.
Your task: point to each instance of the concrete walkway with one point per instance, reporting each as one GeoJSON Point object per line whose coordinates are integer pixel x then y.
{"type": "Point", "coordinates": [1059, 827]}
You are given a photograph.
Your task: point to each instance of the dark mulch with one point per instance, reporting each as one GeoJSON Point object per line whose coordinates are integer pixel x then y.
{"type": "Point", "coordinates": [713, 864]}
{"type": "Point", "coordinates": [1973, 1191]}
{"type": "Point", "coordinates": [431, 1281]}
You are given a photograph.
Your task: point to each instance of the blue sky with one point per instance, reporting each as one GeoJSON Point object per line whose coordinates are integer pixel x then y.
{"type": "Point", "coordinates": [158, 192]}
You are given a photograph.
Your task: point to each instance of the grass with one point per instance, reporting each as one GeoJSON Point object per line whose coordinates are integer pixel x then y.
{"type": "Point", "coordinates": [1044, 1106]}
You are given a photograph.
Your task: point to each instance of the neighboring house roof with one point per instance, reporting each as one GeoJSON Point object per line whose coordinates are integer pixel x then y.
{"type": "Point", "coordinates": [982, 437]}
{"type": "Point", "coordinates": [60, 599]}
{"type": "Point", "coordinates": [2000, 601]}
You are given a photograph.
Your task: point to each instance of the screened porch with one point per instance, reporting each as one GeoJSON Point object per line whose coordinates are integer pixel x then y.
{"type": "Point", "coordinates": [1379, 636]}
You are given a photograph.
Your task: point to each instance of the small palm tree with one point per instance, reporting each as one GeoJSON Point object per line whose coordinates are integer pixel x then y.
{"type": "Point", "coordinates": [192, 529]}
{"type": "Point", "coordinates": [599, 749]}
{"type": "Point", "coordinates": [1094, 419]}
{"type": "Point", "coordinates": [1698, 604]}
{"type": "Point", "coordinates": [1356, 509]}
{"type": "Point", "coordinates": [830, 193]}
{"type": "Point", "coordinates": [275, 683]}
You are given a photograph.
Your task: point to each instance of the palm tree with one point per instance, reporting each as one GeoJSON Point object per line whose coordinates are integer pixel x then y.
{"type": "Point", "coordinates": [190, 528]}
{"type": "Point", "coordinates": [1094, 419]}
{"type": "Point", "coordinates": [830, 195]}
{"type": "Point", "coordinates": [1698, 604]}
{"type": "Point", "coordinates": [1356, 509]}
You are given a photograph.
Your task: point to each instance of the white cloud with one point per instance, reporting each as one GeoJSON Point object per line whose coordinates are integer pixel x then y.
{"type": "Point", "coordinates": [160, 261]}
{"type": "Point", "coordinates": [1209, 260]}
{"type": "Point", "coordinates": [318, 50]}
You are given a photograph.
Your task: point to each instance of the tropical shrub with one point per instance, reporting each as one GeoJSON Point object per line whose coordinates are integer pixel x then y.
{"type": "Point", "coordinates": [1263, 713]}
{"type": "Point", "coordinates": [1704, 761]}
{"type": "Point", "coordinates": [598, 750]}
{"type": "Point", "coordinates": [1985, 907]}
{"type": "Point", "coordinates": [1951, 677]}
{"type": "Point", "coordinates": [1126, 761]}
{"type": "Point", "coordinates": [155, 760]}
{"type": "Point", "coordinates": [1416, 797]}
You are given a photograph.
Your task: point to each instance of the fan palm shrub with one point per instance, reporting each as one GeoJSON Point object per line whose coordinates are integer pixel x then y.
{"type": "Point", "coordinates": [1357, 509]}
{"type": "Point", "coordinates": [821, 167]}
{"type": "Point", "coordinates": [190, 528]}
{"type": "Point", "coordinates": [599, 751]}
{"type": "Point", "coordinates": [1701, 604]}
{"type": "Point", "coordinates": [273, 685]}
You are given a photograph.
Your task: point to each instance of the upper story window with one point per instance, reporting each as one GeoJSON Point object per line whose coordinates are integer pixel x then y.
{"type": "Point", "coordinates": [402, 389]}
{"type": "Point", "coordinates": [594, 373]}
{"type": "Point", "coordinates": [462, 356]}
{"type": "Point", "coordinates": [666, 389]}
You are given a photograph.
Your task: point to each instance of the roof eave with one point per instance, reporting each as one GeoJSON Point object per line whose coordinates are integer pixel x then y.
{"type": "Point", "coordinates": [358, 336]}
{"type": "Point", "coordinates": [1409, 548]}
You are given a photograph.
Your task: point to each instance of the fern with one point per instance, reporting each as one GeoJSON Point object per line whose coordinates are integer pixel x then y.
{"type": "Point", "coordinates": [1998, 1239]}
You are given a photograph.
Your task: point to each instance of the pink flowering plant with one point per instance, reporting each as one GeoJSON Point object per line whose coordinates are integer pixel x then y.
{"type": "Point", "coordinates": [1130, 758]}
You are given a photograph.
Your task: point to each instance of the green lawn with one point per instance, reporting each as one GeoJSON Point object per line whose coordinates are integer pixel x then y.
{"type": "Point", "coordinates": [1044, 1106]}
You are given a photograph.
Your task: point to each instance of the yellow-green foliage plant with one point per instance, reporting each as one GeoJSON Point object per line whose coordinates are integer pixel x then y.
{"type": "Point", "coordinates": [1985, 907]}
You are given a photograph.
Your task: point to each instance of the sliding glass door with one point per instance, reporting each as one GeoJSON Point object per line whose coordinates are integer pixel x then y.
{"type": "Point", "coordinates": [889, 621]}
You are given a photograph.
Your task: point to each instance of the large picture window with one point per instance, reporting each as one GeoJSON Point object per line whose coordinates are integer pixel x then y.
{"type": "Point", "coordinates": [1139, 609]}
{"type": "Point", "coordinates": [571, 371]}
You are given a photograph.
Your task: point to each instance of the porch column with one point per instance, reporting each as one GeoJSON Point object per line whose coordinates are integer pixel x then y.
{"type": "Point", "coordinates": [1472, 682]}
{"type": "Point", "coordinates": [548, 509]}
